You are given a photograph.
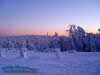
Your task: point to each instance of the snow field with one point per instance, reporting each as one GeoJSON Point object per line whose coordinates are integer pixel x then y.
{"type": "Point", "coordinates": [78, 63]}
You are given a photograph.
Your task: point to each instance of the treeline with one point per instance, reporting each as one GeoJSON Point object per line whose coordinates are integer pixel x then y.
{"type": "Point", "coordinates": [77, 40]}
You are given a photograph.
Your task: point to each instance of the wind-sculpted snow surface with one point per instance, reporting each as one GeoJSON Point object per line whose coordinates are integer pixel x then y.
{"type": "Point", "coordinates": [79, 63]}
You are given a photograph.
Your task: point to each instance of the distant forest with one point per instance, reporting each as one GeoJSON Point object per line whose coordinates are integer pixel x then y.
{"type": "Point", "coordinates": [77, 40]}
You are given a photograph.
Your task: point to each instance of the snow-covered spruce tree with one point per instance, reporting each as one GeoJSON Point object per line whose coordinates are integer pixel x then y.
{"type": "Point", "coordinates": [71, 31]}
{"type": "Point", "coordinates": [13, 45]}
{"type": "Point", "coordinates": [56, 44]}
{"type": "Point", "coordinates": [23, 49]}
{"type": "Point", "coordinates": [2, 50]}
{"type": "Point", "coordinates": [99, 30]}
{"type": "Point", "coordinates": [56, 34]}
{"type": "Point", "coordinates": [30, 44]}
{"type": "Point", "coordinates": [92, 42]}
{"type": "Point", "coordinates": [41, 43]}
{"type": "Point", "coordinates": [77, 34]}
{"type": "Point", "coordinates": [65, 43]}
{"type": "Point", "coordinates": [98, 42]}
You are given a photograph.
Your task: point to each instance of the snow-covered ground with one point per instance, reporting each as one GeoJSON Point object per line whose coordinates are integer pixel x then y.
{"type": "Point", "coordinates": [79, 63]}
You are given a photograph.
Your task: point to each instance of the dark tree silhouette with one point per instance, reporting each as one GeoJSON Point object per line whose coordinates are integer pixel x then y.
{"type": "Point", "coordinates": [99, 30]}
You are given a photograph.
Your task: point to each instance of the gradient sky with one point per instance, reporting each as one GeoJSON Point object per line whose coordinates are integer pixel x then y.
{"type": "Point", "coordinates": [26, 17]}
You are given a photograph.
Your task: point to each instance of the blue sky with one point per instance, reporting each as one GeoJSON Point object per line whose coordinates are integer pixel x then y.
{"type": "Point", "coordinates": [22, 17]}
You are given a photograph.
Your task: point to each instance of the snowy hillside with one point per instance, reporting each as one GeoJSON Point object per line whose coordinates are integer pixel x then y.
{"type": "Point", "coordinates": [78, 63]}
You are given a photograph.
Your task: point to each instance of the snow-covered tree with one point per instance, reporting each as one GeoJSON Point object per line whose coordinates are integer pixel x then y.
{"type": "Point", "coordinates": [56, 34]}
{"type": "Point", "coordinates": [23, 48]}
{"type": "Point", "coordinates": [77, 34]}
{"type": "Point", "coordinates": [99, 30]}
{"type": "Point", "coordinates": [77, 40]}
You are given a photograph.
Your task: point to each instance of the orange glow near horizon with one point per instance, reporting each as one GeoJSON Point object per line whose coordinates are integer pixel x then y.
{"type": "Point", "coordinates": [14, 32]}
{"type": "Point", "coordinates": [43, 32]}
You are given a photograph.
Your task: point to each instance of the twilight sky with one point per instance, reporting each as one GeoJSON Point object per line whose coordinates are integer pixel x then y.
{"type": "Point", "coordinates": [26, 17]}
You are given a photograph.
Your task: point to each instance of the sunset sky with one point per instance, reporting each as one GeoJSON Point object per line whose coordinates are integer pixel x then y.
{"type": "Point", "coordinates": [37, 17]}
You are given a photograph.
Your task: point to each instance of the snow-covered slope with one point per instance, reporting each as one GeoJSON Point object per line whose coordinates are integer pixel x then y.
{"type": "Point", "coordinates": [48, 64]}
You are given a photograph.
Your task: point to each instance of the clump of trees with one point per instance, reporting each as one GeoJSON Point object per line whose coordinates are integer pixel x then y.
{"type": "Point", "coordinates": [82, 41]}
{"type": "Point", "coordinates": [77, 40]}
